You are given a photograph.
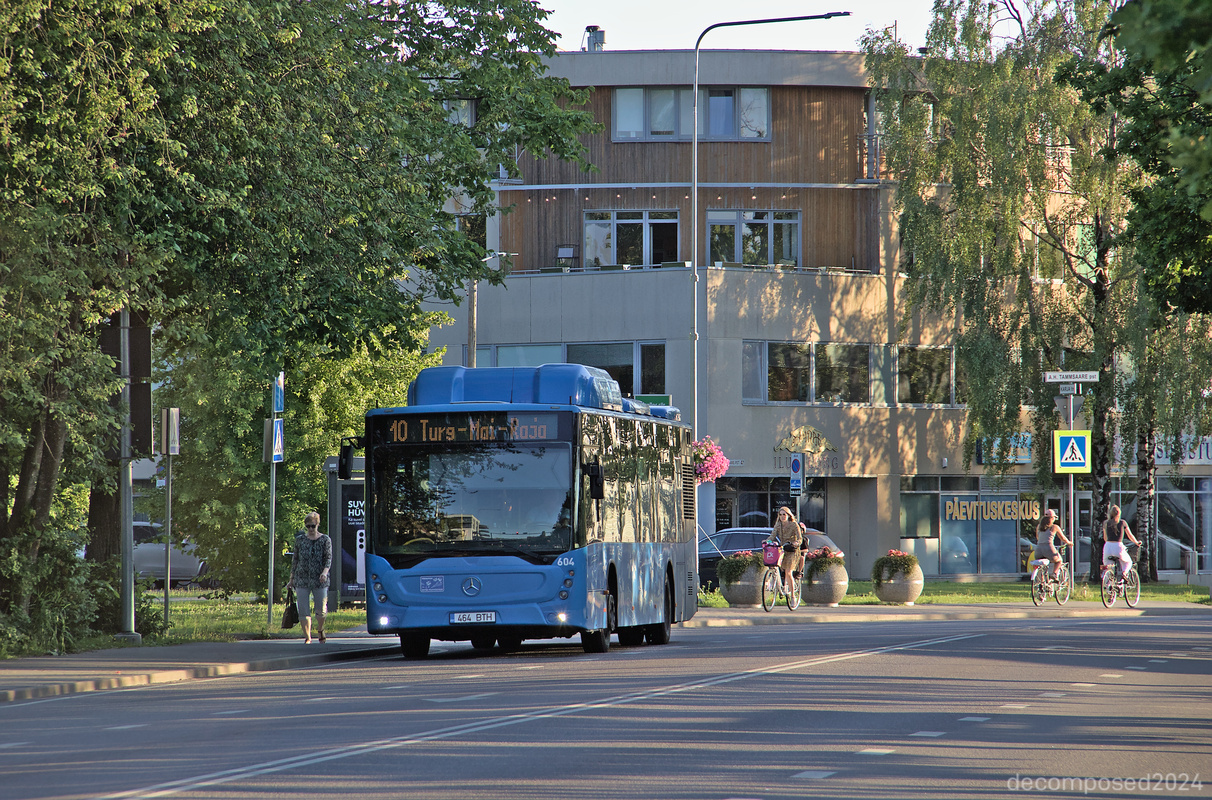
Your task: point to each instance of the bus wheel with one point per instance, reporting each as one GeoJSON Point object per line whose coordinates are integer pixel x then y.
{"type": "Point", "coordinates": [483, 642]}
{"type": "Point", "coordinates": [510, 643]}
{"type": "Point", "coordinates": [631, 637]}
{"type": "Point", "coordinates": [595, 641]}
{"type": "Point", "coordinates": [599, 641]}
{"type": "Point", "coordinates": [660, 632]}
{"type": "Point", "coordinates": [413, 646]}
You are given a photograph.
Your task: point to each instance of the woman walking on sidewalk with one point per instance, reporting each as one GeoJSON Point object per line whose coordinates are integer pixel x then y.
{"type": "Point", "coordinates": [309, 574]}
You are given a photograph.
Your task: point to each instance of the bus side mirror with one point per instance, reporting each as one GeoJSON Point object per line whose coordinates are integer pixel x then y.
{"type": "Point", "coordinates": [597, 486]}
{"type": "Point", "coordinates": [345, 462]}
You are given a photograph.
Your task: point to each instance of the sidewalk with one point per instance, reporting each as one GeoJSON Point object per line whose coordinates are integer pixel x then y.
{"type": "Point", "coordinates": [53, 676]}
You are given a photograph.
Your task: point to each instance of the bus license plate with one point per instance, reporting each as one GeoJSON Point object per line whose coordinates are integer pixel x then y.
{"type": "Point", "coordinates": [472, 617]}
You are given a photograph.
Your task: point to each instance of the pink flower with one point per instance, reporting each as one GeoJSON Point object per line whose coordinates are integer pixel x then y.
{"type": "Point", "coordinates": [710, 462]}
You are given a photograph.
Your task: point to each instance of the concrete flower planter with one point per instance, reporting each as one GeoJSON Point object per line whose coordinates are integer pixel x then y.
{"type": "Point", "coordinates": [747, 590]}
{"type": "Point", "coordinates": [828, 586]}
{"type": "Point", "coordinates": [901, 588]}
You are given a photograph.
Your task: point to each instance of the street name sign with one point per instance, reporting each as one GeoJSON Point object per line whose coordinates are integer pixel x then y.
{"type": "Point", "coordinates": [1071, 377]}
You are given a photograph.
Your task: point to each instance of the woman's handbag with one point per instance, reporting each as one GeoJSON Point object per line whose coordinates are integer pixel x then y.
{"type": "Point", "coordinates": [290, 615]}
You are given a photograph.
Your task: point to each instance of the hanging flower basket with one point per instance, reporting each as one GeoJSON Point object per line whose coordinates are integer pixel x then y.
{"type": "Point", "coordinates": [710, 462]}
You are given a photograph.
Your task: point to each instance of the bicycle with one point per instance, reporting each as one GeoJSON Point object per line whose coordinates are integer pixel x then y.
{"type": "Point", "coordinates": [1117, 584]}
{"type": "Point", "coordinates": [772, 580]}
{"type": "Point", "coordinates": [1045, 585]}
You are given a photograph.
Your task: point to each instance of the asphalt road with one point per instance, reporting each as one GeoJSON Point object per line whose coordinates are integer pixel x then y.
{"type": "Point", "coordinates": [954, 709]}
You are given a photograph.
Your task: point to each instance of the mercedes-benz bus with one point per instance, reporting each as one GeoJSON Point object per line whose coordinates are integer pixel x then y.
{"type": "Point", "coordinates": [506, 504]}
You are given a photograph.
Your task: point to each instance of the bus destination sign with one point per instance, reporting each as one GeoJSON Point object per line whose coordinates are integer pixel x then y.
{"type": "Point", "coordinates": [482, 427]}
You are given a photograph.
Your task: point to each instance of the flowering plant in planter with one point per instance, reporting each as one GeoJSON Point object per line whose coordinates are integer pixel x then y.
{"type": "Point", "coordinates": [732, 567]}
{"type": "Point", "coordinates": [709, 460]}
{"type": "Point", "coordinates": [819, 560]}
{"type": "Point", "coordinates": [887, 566]}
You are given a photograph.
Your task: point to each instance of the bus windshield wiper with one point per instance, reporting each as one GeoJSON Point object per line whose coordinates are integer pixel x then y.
{"type": "Point", "coordinates": [529, 555]}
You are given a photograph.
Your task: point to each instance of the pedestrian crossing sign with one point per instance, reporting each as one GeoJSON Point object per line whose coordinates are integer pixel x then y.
{"type": "Point", "coordinates": [1070, 451]}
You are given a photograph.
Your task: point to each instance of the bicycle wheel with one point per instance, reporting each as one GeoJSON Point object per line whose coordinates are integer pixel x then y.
{"type": "Point", "coordinates": [1039, 587]}
{"type": "Point", "coordinates": [771, 583]}
{"type": "Point", "coordinates": [1132, 588]}
{"type": "Point", "coordinates": [793, 599]}
{"type": "Point", "coordinates": [1064, 588]}
{"type": "Point", "coordinates": [1108, 590]}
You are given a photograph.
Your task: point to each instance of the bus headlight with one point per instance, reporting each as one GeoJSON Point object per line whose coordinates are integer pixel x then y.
{"type": "Point", "coordinates": [563, 595]}
{"type": "Point", "coordinates": [568, 583]}
{"type": "Point", "coordinates": [382, 598]}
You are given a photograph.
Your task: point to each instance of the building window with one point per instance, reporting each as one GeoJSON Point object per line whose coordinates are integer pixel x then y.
{"type": "Point", "coordinates": [620, 359]}
{"type": "Point", "coordinates": [726, 113]}
{"type": "Point", "coordinates": [843, 373]}
{"type": "Point", "coordinates": [756, 238]}
{"type": "Point", "coordinates": [639, 367]}
{"type": "Point", "coordinates": [924, 376]}
{"type": "Point", "coordinates": [797, 372]}
{"type": "Point", "coordinates": [630, 237]}
{"type": "Point", "coordinates": [460, 111]}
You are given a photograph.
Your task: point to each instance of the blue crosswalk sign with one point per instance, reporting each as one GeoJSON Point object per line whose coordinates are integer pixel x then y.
{"type": "Point", "coordinates": [1071, 451]}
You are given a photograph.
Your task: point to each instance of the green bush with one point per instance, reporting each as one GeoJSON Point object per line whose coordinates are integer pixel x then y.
{"type": "Point", "coordinates": [48, 603]}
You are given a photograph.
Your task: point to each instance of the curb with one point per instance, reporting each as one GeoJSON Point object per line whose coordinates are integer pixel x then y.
{"type": "Point", "coordinates": [195, 673]}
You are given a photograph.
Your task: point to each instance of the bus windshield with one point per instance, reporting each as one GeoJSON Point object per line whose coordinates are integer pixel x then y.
{"type": "Point", "coordinates": [473, 499]}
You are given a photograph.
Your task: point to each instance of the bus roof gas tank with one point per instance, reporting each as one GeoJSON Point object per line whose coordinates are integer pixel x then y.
{"type": "Point", "coordinates": [549, 384]}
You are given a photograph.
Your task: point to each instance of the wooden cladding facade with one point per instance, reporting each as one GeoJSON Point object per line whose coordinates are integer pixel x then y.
{"type": "Point", "coordinates": [815, 137]}
{"type": "Point", "coordinates": [810, 164]}
{"type": "Point", "coordinates": [838, 227]}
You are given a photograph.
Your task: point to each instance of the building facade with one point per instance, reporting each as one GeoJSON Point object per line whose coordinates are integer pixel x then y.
{"type": "Point", "coordinates": [773, 318]}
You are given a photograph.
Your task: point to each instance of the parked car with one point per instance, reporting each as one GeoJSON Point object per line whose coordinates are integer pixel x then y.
{"type": "Point", "coordinates": [733, 540]}
{"type": "Point", "coordinates": [186, 566]}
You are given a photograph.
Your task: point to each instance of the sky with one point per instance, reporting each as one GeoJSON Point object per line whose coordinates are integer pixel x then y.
{"type": "Point", "coordinates": [676, 24]}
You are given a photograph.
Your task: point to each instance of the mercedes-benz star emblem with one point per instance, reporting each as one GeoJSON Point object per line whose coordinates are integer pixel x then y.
{"type": "Point", "coordinates": [472, 587]}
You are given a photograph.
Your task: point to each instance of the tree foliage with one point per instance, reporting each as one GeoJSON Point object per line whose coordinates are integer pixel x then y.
{"type": "Point", "coordinates": [1014, 202]}
{"type": "Point", "coordinates": [259, 178]}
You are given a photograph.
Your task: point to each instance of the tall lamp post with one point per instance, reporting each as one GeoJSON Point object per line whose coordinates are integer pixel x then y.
{"type": "Point", "coordinates": [694, 190]}
{"type": "Point", "coordinates": [473, 301]}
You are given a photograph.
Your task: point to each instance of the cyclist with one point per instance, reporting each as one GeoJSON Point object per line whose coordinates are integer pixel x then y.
{"type": "Point", "coordinates": [1114, 531]}
{"type": "Point", "coordinates": [1045, 546]}
{"type": "Point", "coordinates": [787, 529]}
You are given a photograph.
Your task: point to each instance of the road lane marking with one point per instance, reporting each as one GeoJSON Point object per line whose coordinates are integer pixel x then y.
{"type": "Point", "coordinates": [875, 751]}
{"type": "Point", "coordinates": [125, 727]}
{"type": "Point", "coordinates": [1016, 705]}
{"type": "Point", "coordinates": [1084, 685]}
{"type": "Point", "coordinates": [13, 744]}
{"type": "Point", "coordinates": [930, 734]}
{"type": "Point", "coordinates": [169, 788]}
{"type": "Point", "coordinates": [814, 774]}
{"type": "Point", "coordinates": [1137, 668]}
{"type": "Point", "coordinates": [1111, 675]}
{"type": "Point", "coordinates": [974, 719]}
{"type": "Point", "coordinates": [460, 699]}
{"type": "Point", "coordinates": [234, 711]}
{"type": "Point", "coordinates": [1052, 694]}
{"type": "Point", "coordinates": [1159, 661]}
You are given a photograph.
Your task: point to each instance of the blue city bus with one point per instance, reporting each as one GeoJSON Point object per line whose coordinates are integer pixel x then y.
{"type": "Point", "coordinates": [506, 504]}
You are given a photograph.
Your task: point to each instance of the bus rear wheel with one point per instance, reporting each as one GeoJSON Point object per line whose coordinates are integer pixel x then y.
{"type": "Point", "coordinates": [483, 642]}
{"type": "Point", "coordinates": [413, 646]}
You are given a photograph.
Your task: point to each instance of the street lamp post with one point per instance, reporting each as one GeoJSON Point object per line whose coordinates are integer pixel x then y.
{"type": "Point", "coordinates": [473, 310]}
{"type": "Point", "coordinates": [694, 191]}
